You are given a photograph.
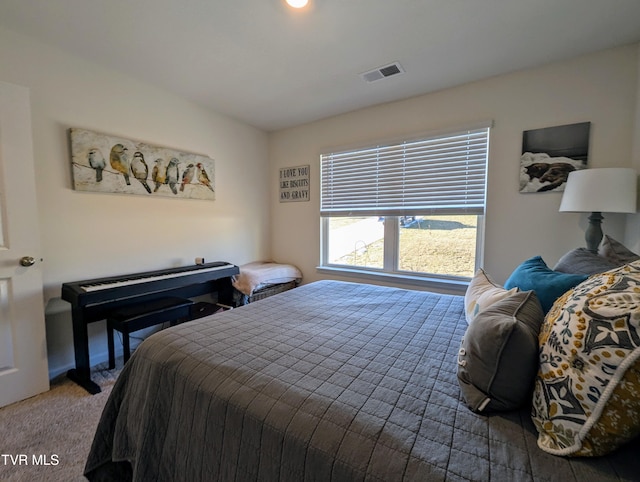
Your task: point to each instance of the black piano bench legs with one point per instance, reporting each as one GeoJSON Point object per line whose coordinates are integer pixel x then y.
{"type": "Point", "coordinates": [143, 315]}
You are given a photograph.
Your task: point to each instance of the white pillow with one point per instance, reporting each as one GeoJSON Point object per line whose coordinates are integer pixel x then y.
{"type": "Point", "coordinates": [260, 274]}
{"type": "Point", "coordinates": [482, 293]}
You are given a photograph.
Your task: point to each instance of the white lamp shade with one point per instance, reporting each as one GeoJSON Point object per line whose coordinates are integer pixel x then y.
{"type": "Point", "coordinates": [604, 190]}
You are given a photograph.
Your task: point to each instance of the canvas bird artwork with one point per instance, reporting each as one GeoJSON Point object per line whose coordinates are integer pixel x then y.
{"type": "Point", "coordinates": [97, 162]}
{"type": "Point", "coordinates": [120, 161]}
{"type": "Point", "coordinates": [172, 175]}
{"type": "Point", "coordinates": [187, 176]}
{"type": "Point", "coordinates": [140, 170]}
{"type": "Point", "coordinates": [111, 164]}
{"type": "Point", "coordinates": [203, 177]}
{"type": "Point", "coordinates": [159, 174]}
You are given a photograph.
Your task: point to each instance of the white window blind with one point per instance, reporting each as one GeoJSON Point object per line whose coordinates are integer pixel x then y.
{"type": "Point", "coordinates": [438, 174]}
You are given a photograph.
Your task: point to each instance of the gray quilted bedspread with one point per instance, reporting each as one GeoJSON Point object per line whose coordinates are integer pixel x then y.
{"type": "Point", "coordinates": [330, 381]}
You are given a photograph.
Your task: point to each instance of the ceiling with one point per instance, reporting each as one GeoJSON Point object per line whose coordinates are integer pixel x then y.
{"type": "Point", "coordinates": [272, 67]}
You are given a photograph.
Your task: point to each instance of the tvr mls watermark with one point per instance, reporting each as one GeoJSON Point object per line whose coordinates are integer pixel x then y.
{"type": "Point", "coordinates": [33, 459]}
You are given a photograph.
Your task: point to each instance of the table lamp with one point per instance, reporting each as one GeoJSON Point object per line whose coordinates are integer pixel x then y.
{"type": "Point", "coordinates": [608, 190]}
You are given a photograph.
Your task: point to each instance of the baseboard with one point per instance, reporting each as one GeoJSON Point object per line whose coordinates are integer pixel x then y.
{"type": "Point", "coordinates": [94, 359]}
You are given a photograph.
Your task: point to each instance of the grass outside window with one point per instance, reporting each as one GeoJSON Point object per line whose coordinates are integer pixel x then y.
{"type": "Point", "coordinates": [443, 245]}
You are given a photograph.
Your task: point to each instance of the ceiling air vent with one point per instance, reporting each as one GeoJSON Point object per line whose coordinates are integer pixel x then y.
{"type": "Point", "coordinates": [383, 72]}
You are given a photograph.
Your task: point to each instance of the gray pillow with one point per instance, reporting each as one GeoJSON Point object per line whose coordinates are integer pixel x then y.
{"type": "Point", "coordinates": [498, 357]}
{"type": "Point", "coordinates": [616, 252]}
{"type": "Point", "coordinates": [583, 261]}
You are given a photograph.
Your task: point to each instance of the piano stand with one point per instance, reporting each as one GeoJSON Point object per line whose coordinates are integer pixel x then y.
{"type": "Point", "coordinates": [84, 381]}
{"type": "Point", "coordinates": [144, 315]}
{"type": "Point", "coordinates": [97, 299]}
{"type": "Point", "coordinates": [81, 374]}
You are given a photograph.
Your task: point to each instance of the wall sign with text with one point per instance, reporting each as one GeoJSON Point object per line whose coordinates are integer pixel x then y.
{"type": "Point", "coordinates": [294, 184]}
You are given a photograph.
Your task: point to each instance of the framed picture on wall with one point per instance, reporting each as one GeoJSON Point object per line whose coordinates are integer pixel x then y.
{"type": "Point", "coordinates": [111, 164]}
{"type": "Point", "coordinates": [550, 154]}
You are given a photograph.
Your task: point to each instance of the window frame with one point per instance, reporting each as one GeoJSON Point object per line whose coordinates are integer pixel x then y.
{"type": "Point", "coordinates": [390, 270]}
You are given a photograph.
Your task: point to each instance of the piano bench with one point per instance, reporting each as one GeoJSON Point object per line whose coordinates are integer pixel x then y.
{"type": "Point", "coordinates": [143, 315]}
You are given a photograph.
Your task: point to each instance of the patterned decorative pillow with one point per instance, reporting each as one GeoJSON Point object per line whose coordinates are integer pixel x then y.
{"type": "Point", "coordinates": [534, 274]}
{"type": "Point", "coordinates": [481, 293]}
{"type": "Point", "coordinates": [587, 393]}
{"type": "Point", "coordinates": [616, 252]}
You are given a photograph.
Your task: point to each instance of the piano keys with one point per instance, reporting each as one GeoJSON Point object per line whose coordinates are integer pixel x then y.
{"type": "Point", "coordinates": [118, 283]}
{"type": "Point", "coordinates": [93, 300]}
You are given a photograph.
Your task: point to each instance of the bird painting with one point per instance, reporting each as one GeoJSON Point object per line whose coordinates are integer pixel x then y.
{"type": "Point", "coordinates": [159, 173]}
{"type": "Point", "coordinates": [120, 162]}
{"type": "Point", "coordinates": [140, 170]}
{"type": "Point", "coordinates": [96, 160]}
{"type": "Point", "coordinates": [110, 164]}
{"type": "Point", "coordinates": [172, 175]}
{"type": "Point", "coordinates": [203, 177]}
{"type": "Point", "coordinates": [187, 176]}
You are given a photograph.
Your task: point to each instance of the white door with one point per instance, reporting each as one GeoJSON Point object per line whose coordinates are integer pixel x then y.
{"type": "Point", "coordinates": [23, 348]}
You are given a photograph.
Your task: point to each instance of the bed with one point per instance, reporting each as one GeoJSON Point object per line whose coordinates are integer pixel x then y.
{"type": "Point", "coordinates": [331, 381]}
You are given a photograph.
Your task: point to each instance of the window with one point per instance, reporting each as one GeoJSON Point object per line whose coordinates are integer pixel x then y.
{"type": "Point", "coordinates": [411, 208]}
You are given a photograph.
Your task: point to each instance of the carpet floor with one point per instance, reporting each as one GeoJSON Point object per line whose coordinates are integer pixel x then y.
{"type": "Point", "coordinates": [48, 437]}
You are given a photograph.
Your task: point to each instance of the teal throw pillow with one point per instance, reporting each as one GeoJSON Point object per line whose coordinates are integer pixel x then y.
{"type": "Point", "coordinates": [549, 285]}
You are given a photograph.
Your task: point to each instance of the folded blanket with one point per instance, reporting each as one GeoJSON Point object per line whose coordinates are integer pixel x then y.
{"type": "Point", "coordinates": [260, 274]}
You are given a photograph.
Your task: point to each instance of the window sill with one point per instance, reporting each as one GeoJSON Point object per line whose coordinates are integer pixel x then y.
{"type": "Point", "coordinates": [448, 286]}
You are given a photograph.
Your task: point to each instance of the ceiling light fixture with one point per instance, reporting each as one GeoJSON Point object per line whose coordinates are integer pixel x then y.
{"type": "Point", "coordinates": [297, 3]}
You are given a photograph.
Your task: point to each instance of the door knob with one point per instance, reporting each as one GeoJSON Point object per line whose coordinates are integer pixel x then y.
{"type": "Point", "coordinates": [27, 261]}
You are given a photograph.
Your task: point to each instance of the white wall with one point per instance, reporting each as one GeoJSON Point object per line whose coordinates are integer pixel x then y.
{"type": "Point", "coordinates": [633, 221]}
{"type": "Point", "coordinates": [87, 235]}
{"type": "Point", "coordinates": [600, 88]}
